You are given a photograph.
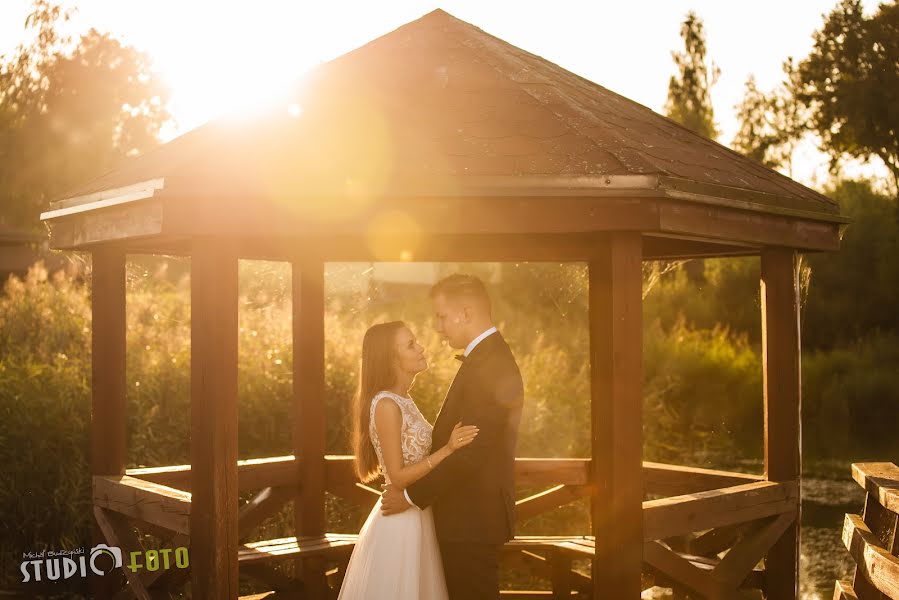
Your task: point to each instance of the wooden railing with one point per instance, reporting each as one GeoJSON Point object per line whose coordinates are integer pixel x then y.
{"type": "Point", "coordinates": [872, 539]}
{"type": "Point", "coordinates": [702, 514]}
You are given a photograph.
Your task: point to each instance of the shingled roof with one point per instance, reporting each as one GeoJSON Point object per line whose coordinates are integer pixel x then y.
{"type": "Point", "coordinates": [439, 107]}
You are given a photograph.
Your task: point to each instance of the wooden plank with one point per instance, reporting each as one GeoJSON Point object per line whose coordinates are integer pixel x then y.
{"type": "Point", "coordinates": [678, 515]}
{"type": "Point", "coordinates": [782, 400]}
{"type": "Point", "coordinates": [881, 480]}
{"type": "Point", "coordinates": [560, 495]}
{"type": "Point", "coordinates": [616, 312]}
{"type": "Point", "coordinates": [108, 419]}
{"type": "Point", "coordinates": [213, 419]}
{"type": "Point", "coordinates": [327, 545]}
{"type": "Point", "coordinates": [156, 504]}
{"type": "Point", "coordinates": [308, 286]}
{"type": "Point", "coordinates": [879, 567]}
{"type": "Point", "coordinates": [675, 480]}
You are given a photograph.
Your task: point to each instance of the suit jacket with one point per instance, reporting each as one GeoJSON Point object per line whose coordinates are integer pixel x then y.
{"type": "Point", "coordinates": [473, 490]}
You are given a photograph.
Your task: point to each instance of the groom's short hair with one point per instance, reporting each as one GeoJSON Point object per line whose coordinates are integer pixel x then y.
{"type": "Point", "coordinates": [460, 286]}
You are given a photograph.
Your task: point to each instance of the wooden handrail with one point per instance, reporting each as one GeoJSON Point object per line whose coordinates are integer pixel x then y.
{"type": "Point", "coordinates": [280, 471]}
{"type": "Point", "coordinates": [679, 515]}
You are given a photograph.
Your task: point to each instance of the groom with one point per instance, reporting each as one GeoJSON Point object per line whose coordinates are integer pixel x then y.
{"type": "Point", "coordinates": [473, 490]}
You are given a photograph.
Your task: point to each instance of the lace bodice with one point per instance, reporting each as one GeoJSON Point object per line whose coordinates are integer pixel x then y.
{"type": "Point", "coordinates": [416, 431]}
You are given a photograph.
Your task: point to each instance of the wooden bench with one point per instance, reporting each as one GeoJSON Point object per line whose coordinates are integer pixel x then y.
{"type": "Point", "coordinates": [550, 556]}
{"type": "Point", "coordinates": [872, 539]}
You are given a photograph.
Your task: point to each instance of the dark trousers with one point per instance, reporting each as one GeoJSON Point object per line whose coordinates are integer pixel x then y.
{"type": "Point", "coordinates": [471, 570]}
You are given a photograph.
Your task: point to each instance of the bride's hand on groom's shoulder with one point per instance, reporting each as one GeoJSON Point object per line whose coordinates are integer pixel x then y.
{"type": "Point", "coordinates": [393, 501]}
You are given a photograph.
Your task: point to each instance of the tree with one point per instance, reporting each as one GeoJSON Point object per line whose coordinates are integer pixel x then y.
{"type": "Point", "coordinates": [772, 124]}
{"type": "Point", "coordinates": [69, 112]}
{"type": "Point", "coordinates": [850, 80]}
{"type": "Point", "coordinates": [689, 99]}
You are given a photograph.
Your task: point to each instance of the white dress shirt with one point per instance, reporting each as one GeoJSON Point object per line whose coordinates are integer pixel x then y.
{"type": "Point", "coordinates": [468, 349]}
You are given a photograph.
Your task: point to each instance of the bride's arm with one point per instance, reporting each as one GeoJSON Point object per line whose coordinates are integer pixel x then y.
{"type": "Point", "coordinates": [389, 425]}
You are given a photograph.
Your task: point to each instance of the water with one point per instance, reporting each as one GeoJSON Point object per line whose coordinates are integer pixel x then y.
{"type": "Point", "coordinates": [823, 559]}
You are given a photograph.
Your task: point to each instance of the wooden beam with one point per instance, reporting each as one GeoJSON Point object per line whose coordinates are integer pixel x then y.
{"type": "Point", "coordinates": [741, 560]}
{"type": "Point", "coordinates": [150, 502]}
{"type": "Point", "coordinates": [679, 570]}
{"type": "Point", "coordinates": [115, 533]}
{"type": "Point", "coordinates": [213, 417]}
{"type": "Point", "coordinates": [133, 220]}
{"type": "Point", "coordinates": [262, 506]}
{"type": "Point", "coordinates": [678, 515]}
{"type": "Point", "coordinates": [675, 480]}
{"type": "Point", "coordinates": [783, 404]}
{"type": "Point", "coordinates": [308, 285]}
{"type": "Point", "coordinates": [423, 216]}
{"type": "Point", "coordinates": [107, 430]}
{"type": "Point", "coordinates": [555, 497]}
{"type": "Point", "coordinates": [843, 590]}
{"type": "Point", "coordinates": [615, 305]}
{"type": "Point", "coordinates": [734, 225]}
{"type": "Point", "coordinates": [252, 474]}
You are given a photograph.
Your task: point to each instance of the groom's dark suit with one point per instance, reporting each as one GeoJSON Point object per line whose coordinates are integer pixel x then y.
{"type": "Point", "coordinates": [473, 490]}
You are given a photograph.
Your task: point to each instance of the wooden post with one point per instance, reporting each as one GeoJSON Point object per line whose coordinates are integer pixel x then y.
{"type": "Point", "coordinates": [781, 374]}
{"type": "Point", "coordinates": [107, 383]}
{"type": "Point", "coordinates": [213, 420]}
{"type": "Point", "coordinates": [616, 343]}
{"type": "Point", "coordinates": [308, 283]}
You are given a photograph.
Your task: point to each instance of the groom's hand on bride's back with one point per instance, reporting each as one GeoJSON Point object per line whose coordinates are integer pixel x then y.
{"type": "Point", "coordinates": [393, 501]}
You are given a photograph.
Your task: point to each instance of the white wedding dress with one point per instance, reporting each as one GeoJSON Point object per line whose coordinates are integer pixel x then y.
{"type": "Point", "coordinates": [397, 556]}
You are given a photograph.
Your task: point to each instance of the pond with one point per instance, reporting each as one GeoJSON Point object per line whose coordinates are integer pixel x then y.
{"type": "Point", "coordinates": [823, 559]}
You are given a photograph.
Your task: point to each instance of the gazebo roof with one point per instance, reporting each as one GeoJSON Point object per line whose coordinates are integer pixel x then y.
{"type": "Point", "coordinates": [439, 108]}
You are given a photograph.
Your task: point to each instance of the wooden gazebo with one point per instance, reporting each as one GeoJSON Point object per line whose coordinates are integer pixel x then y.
{"type": "Point", "coordinates": [440, 142]}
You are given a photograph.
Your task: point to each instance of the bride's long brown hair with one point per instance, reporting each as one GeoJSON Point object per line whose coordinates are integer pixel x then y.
{"type": "Point", "coordinates": [375, 374]}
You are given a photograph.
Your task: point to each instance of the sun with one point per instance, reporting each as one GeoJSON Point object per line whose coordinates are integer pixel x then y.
{"type": "Point", "coordinates": [236, 66]}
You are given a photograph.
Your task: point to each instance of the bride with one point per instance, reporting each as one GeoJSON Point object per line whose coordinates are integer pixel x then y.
{"type": "Point", "coordinates": [397, 556]}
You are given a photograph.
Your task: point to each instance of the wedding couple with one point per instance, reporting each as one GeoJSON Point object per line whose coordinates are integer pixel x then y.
{"type": "Point", "coordinates": [437, 531]}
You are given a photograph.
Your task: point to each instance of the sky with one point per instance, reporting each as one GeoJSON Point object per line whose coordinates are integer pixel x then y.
{"type": "Point", "coordinates": [221, 56]}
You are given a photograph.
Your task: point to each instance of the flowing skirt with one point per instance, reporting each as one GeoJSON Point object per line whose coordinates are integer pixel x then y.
{"type": "Point", "coordinates": [396, 558]}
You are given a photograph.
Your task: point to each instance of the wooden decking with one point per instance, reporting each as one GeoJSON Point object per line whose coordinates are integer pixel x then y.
{"type": "Point", "coordinates": [872, 540]}
{"type": "Point", "coordinates": [703, 514]}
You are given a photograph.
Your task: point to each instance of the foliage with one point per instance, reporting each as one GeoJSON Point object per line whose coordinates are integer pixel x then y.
{"type": "Point", "coordinates": [851, 82]}
{"type": "Point", "coordinates": [702, 395]}
{"type": "Point", "coordinates": [689, 100]}
{"type": "Point", "coordinates": [772, 124]}
{"type": "Point", "coordinates": [855, 291]}
{"type": "Point", "coordinates": [850, 399]}
{"type": "Point", "coordinates": [69, 112]}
